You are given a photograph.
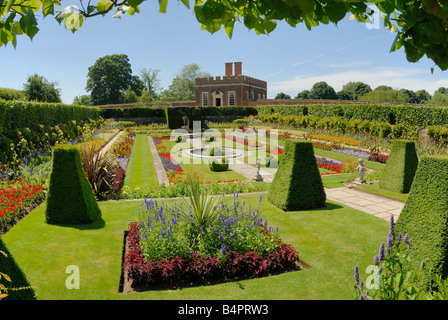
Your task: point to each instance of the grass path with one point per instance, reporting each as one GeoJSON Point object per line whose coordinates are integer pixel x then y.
{"type": "Point", "coordinates": [332, 240]}
{"type": "Point", "coordinates": [141, 171]}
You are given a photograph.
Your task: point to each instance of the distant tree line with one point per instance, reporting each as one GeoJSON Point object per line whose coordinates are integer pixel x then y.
{"type": "Point", "coordinates": [363, 92]}
{"type": "Point", "coordinates": [36, 88]}
{"type": "Point", "coordinates": [110, 81]}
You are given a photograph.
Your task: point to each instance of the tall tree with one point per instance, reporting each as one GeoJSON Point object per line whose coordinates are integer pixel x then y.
{"type": "Point", "coordinates": [440, 97]}
{"type": "Point", "coordinates": [38, 88]}
{"type": "Point", "coordinates": [305, 94]}
{"type": "Point", "coordinates": [151, 81]}
{"type": "Point", "coordinates": [322, 90]}
{"type": "Point", "coordinates": [356, 89]}
{"type": "Point", "coordinates": [282, 95]}
{"type": "Point", "coordinates": [108, 78]}
{"type": "Point", "coordinates": [183, 84]}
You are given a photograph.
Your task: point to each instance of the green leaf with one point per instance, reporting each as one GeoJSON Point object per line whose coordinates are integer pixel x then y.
{"type": "Point", "coordinates": [213, 10]}
{"type": "Point", "coordinates": [228, 28]}
{"type": "Point", "coordinates": [74, 22]}
{"type": "Point", "coordinates": [307, 6]}
{"type": "Point", "coordinates": [396, 44]}
{"type": "Point", "coordinates": [28, 24]}
{"type": "Point", "coordinates": [186, 3]}
{"type": "Point", "coordinates": [134, 3]}
{"type": "Point", "coordinates": [413, 54]}
{"type": "Point", "coordinates": [250, 21]}
{"type": "Point", "coordinates": [47, 8]}
{"type": "Point", "coordinates": [335, 11]}
{"type": "Point", "coordinates": [103, 6]}
{"type": "Point", "coordinates": [163, 5]}
{"type": "Point", "coordinates": [386, 6]}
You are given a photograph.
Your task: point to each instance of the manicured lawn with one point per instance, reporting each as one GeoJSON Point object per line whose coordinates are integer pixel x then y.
{"type": "Point", "coordinates": [332, 240]}
{"type": "Point", "coordinates": [375, 188]}
{"type": "Point", "coordinates": [141, 171]}
{"type": "Point", "coordinates": [335, 180]}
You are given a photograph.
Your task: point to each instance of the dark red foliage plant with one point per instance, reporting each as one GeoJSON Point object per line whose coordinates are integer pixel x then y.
{"type": "Point", "coordinates": [196, 270]}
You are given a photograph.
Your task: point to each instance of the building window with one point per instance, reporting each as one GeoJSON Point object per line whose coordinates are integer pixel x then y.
{"type": "Point", "coordinates": [204, 99]}
{"type": "Point", "coordinates": [246, 95]}
{"type": "Point", "coordinates": [252, 96]}
{"type": "Point", "coordinates": [259, 97]}
{"type": "Point", "coordinates": [231, 98]}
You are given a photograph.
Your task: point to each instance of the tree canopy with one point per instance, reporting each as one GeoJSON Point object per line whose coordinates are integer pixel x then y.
{"type": "Point", "coordinates": [421, 26]}
{"type": "Point", "coordinates": [38, 88]}
{"type": "Point", "coordinates": [108, 78]}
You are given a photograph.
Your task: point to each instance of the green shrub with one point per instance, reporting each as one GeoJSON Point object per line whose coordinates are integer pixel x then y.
{"type": "Point", "coordinates": [297, 184]}
{"type": "Point", "coordinates": [214, 151]}
{"type": "Point", "coordinates": [425, 214]}
{"type": "Point", "coordinates": [70, 197]}
{"type": "Point", "coordinates": [400, 168]}
{"type": "Point", "coordinates": [217, 166]}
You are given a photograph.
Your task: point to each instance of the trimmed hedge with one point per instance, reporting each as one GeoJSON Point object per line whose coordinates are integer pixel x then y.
{"type": "Point", "coordinates": [217, 166]}
{"type": "Point", "coordinates": [19, 114]}
{"type": "Point", "coordinates": [297, 184]}
{"type": "Point", "coordinates": [407, 115]}
{"type": "Point", "coordinates": [70, 198]}
{"type": "Point", "coordinates": [173, 118]}
{"type": "Point", "coordinates": [133, 112]}
{"type": "Point", "coordinates": [425, 214]}
{"type": "Point", "coordinates": [400, 168]}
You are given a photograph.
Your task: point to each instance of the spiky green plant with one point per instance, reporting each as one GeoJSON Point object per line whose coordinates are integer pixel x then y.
{"type": "Point", "coordinates": [201, 210]}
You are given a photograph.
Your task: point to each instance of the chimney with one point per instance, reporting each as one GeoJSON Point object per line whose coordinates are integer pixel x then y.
{"type": "Point", "coordinates": [229, 68]}
{"type": "Point", "coordinates": [238, 68]}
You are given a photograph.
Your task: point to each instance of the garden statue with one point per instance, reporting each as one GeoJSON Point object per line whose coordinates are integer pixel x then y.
{"type": "Point", "coordinates": [258, 177]}
{"type": "Point", "coordinates": [361, 169]}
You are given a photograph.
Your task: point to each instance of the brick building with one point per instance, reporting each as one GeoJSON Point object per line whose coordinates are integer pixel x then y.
{"type": "Point", "coordinates": [233, 89]}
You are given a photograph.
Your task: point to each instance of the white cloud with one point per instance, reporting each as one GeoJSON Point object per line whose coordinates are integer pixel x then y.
{"type": "Point", "coordinates": [398, 78]}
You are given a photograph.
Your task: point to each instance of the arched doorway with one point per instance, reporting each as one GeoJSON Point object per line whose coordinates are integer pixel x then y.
{"type": "Point", "coordinates": [217, 98]}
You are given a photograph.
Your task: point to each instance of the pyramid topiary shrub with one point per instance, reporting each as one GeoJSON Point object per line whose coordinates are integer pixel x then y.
{"type": "Point", "coordinates": [70, 198]}
{"type": "Point", "coordinates": [425, 215]}
{"type": "Point", "coordinates": [400, 168]}
{"type": "Point", "coordinates": [297, 184]}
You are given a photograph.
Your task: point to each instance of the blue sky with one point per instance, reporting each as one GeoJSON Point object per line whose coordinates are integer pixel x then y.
{"type": "Point", "coordinates": [290, 59]}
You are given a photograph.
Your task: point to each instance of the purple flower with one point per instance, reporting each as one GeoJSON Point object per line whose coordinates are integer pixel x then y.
{"type": "Point", "coordinates": [356, 275]}
{"type": "Point", "coordinates": [399, 237]}
{"type": "Point", "coordinates": [391, 226]}
{"type": "Point", "coordinates": [390, 241]}
{"type": "Point", "coordinates": [223, 250]}
{"type": "Point", "coordinates": [381, 252]}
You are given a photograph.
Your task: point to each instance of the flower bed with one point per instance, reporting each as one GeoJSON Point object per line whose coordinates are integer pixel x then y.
{"type": "Point", "coordinates": [16, 201]}
{"type": "Point", "coordinates": [329, 165]}
{"type": "Point", "coordinates": [165, 249]}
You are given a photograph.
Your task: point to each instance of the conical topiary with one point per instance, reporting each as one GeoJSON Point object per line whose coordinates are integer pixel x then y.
{"type": "Point", "coordinates": [70, 198]}
{"type": "Point", "coordinates": [400, 168]}
{"type": "Point", "coordinates": [297, 184]}
{"type": "Point", "coordinates": [425, 215]}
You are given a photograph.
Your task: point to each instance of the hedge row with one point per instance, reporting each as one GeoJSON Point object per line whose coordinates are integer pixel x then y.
{"type": "Point", "coordinates": [218, 114]}
{"type": "Point", "coordinates": [134, 112]}
{"type": "Point", "coordinates": [11, 94]}
{"type": "Point", "coordinates": [407, 115]}
{"type": "Point", "coordinates": [22, 114]}
{"type": "Point", "coordinates": [367, 127]}
{"type": "Point", "coordinates": [175, 114]}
